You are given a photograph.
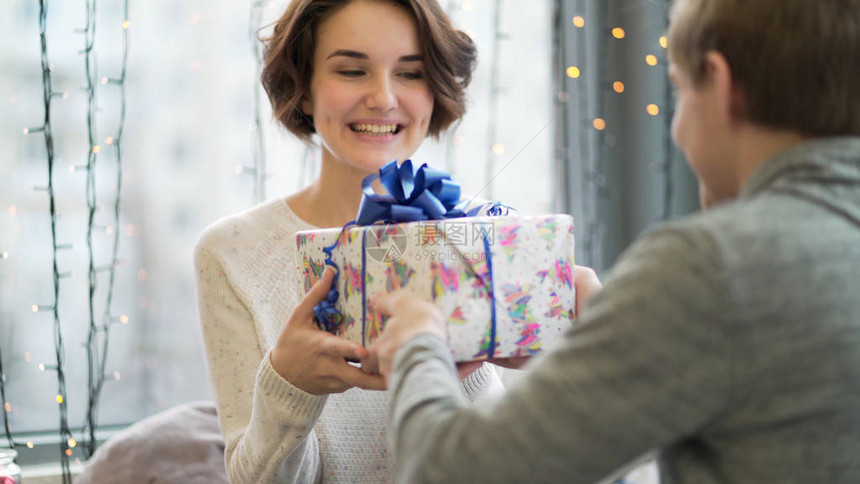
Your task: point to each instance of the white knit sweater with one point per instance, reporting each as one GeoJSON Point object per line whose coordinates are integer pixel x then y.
{"type": "Point", "coordinates": [248, 283]}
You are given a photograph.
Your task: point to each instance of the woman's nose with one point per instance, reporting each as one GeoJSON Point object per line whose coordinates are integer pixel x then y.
{"type": "Point", "coordinates": [381, 96]}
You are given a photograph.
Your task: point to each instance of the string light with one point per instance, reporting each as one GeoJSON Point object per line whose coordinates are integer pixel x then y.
{"type": "Point", "coordinates": [258, 139]}
{"type": "Point", "coordinates": [4, 255]}
{"type": "Point", "coordinates": [651, 60]}
{"type": "Point", "coordinates": [664, 42]}
{"type": "Point", "coordinates": [573, 72]}
{"type": "Point", "coordinates": [618, 33]}
{"type": "Point", "coordinates": [6, 405]}
{"type": "Point", "coordinates": [97, 351]}
{"type": "Point", "coordinates": [578, 22]}
{"type": "Point", "coordinates": [599, 124]}
{"type": "Point", "coordinates": [653, 109]}
{"type": "Point", "coordinates": [495, 91]}
{"type": "Point", "coordinates": [618, 87]}
{"type": "Point", "coordinates": [95, 357]}
{"type": "Point", "coordinates": [13, 210]}
{"type": "Point", "coordinates": [498, 149]}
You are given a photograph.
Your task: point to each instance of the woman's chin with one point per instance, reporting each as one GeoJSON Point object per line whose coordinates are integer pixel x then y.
{"type": "Point", "coordinates": [373, 165]}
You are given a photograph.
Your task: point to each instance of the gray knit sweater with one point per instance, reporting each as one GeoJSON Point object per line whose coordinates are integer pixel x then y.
{"type": "Point", "coordinates": [728, 342]}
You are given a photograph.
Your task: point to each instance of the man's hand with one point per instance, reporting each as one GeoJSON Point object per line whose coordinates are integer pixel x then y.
{"type": "Point", "coordinates": [408, 317]}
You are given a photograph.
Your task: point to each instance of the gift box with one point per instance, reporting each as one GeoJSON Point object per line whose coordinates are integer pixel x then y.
{"type": "Point", "coordinates": [504, 283]}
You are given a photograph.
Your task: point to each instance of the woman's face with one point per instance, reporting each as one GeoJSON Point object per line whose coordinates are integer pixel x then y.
{"type": "Point", "coordinates": [369, 97]}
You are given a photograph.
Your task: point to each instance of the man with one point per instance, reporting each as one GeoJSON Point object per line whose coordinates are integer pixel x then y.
{"type": "Point", "coordinates": [728, 342]}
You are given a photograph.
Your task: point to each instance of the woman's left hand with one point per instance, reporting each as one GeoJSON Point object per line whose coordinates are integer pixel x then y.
{"type": "Point", "coordinates": [512, 363]}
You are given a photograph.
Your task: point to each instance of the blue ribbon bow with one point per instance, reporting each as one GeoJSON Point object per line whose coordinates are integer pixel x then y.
{"type": "Point", "coordinates": [414, 194]}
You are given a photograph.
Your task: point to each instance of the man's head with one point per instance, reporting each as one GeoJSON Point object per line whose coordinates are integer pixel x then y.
{"type": "Point", "coordinates": [750, 73]}
{"type": "Point", "coordinates": [796, 62]}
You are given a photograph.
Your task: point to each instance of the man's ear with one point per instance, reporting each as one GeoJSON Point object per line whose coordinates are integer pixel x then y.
{"type": "Point", "coordinates": [729, 94]}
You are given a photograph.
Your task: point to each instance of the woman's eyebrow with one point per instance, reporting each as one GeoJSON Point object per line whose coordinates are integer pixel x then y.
{"type": "Point", "coordinates": [347, 53]}
{"type": "Point", "coordinates": [352, 54]}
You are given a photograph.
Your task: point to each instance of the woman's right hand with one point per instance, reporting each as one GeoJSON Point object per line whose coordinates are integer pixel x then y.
{"type": "Point", "coordinates": [315, 360]}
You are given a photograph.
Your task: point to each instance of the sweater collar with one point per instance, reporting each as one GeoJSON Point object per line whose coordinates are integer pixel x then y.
{"type": "Point", "coordinates": [812, 159]}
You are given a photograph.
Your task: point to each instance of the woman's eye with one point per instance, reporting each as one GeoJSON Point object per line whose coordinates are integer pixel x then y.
{"type": "Point", "coordinates": [350, 73]}
{"type": "Point", "coordinates": [412, 75]}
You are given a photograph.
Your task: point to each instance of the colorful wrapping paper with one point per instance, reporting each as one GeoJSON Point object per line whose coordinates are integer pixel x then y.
{"type": "Point", "coordinates": [504, 283]}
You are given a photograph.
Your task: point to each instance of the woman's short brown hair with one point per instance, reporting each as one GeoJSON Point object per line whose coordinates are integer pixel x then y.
{"type": "Point", "coordinates": [449, 58]}
{"type": "Point", "coordinates": [797, 61]}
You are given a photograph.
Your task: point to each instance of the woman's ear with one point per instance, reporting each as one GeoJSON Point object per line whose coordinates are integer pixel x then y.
{"type": "Point", "coordinates": [306, 106]}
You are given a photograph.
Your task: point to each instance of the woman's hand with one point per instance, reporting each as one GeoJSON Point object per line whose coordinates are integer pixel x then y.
{"type": "Point", "coordinates": [408, 318]}
{"type": "Point", "coordinates": [512, 363]}
{"type": "Point", "coordinates": [587, 284]}
{"type": "Point", "coordinates": [315, 360]}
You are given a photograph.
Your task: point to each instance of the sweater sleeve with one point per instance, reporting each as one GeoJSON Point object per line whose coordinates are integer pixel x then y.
{"type": "Point", "coordinates": [648, 363]}
{"type": "Point", "coordinates": [267, 422]}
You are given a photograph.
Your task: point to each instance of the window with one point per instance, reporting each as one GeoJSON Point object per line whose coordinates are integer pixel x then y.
{"type": "Point", "coordinates": [188, 131]}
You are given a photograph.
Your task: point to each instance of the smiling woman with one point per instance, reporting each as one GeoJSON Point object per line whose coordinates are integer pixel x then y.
{"type": "Point", "coordinates": [371, 79]}
{"type": "Point", "coordinates": [448, 56]}
{"type": "Point", "coordinates": [190, 103]}
{"type": "Point", "coordinates": [369, 99]}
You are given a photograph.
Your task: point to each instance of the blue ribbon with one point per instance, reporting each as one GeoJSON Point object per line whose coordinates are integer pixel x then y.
{"type": "Point", "coordinates": [492, 350]}
{"type": "Point", "coordinates": [414, 194]}
{"type": "Point", "coordinates": [327, 315]}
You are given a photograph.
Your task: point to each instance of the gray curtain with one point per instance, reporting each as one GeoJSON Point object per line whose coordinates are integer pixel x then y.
{"type": "Point", "coordinates": [619, 180]}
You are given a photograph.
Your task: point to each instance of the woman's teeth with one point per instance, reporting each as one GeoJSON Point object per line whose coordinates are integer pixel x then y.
{"type": "Point", "coordinates": [374, 129]}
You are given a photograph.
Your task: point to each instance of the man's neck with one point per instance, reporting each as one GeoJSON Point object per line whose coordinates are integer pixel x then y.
{"type": "Point", "coordinates": [757, 144]}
